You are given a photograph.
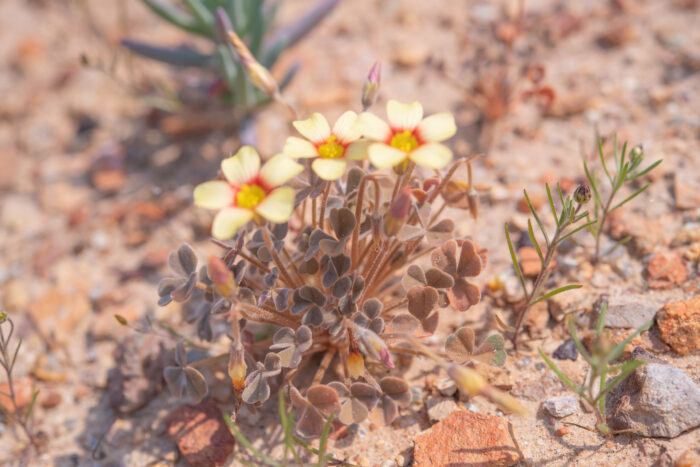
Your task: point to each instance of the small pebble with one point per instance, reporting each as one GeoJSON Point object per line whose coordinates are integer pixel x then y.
{"type": "Point", "coordinates": [566, 351]}
{"type": "Point", "coordinates": [561, 431]}
{"type": "Point", "coordinates": [560, 406]}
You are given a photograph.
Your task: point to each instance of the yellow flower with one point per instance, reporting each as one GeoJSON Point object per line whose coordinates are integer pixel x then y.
{"type": "Point", "coordinates": [331, 149]}
{"type": "Point", "coordinates": [408, 136]}
{"type": "Point", "coordinates": [249, 191]}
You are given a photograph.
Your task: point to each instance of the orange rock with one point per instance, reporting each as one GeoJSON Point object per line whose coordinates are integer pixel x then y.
{"type": "Point", "coordinates": [666, 270]}
{"type": "Point", "coordinates": [201, 434]}
{"type": "Point", "coordinates": [679, 323]}
{"type": "Point", "coordinates": [536, 199]}
{"type": "Point", "coordinates": [466, 438]}
{"type": "Point", "coordinates": [529, 261]}
{"type": "Point", "coordinates": [561, 431]}
{"type": "Point", "coordinates": [24, 390]}
{"type": "Point", "coordinates": [51, 400]}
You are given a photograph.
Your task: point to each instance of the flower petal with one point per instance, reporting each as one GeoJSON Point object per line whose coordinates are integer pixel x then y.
{"type": "Point", "coordinates": [242, 167]}
{"type": "Point", "coordinates": [228, 221]}
{"type": "Point", "coordinates": [357, 151]}
{"type": "Point", "coordinates": [279, 170]}
{"type": "Point", "coordinates": [372, 127]}
{"type": "Point", "coordinates": [216, 194]}
{"type": "Point", "coordinates": [345, 129]}
{"type": "Point", "coordinates": [315, 128]}
{"type": "Point", "coordinates": [277, 206]}
{"type": "Point", "coordinates": [383, 155]}
{"type": "Point", "coordinates": [329, 169]}
{"type": "Point", "coordinates": [437, 127]}
{"type": "Point", "coordinates": [434, 155]}
{"type": "Point", "coordinates": [299, 147]}
{"type": "Point", "coordinates": [404, 116]}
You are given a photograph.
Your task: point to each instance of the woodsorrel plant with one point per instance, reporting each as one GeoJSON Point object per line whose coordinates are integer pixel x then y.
{"type": "Point", "coordinates": [327, 252]}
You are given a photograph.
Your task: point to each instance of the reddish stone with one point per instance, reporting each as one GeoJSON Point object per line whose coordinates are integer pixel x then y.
{"type": "Point", "coordinates": [536, 199]}
{"type": "Point", "coordinates": [24, 390]}
{"type": "Point", "coordinates": [529, 261]}
{"type": "Point", "coordinates": [561, 431]}
{"type": "Point", "coordinates": [466, 438]}
{"type": "Point", "coordinates": [201, 434]}
{"type": "Point", "coordinates": [51, 400]}
{"type": "Point", "coordinates": [679, 323]}
{"type": "Point", "coordinates": [666, 270]}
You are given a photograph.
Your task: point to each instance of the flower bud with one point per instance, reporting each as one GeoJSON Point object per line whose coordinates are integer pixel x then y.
{"type": "Point", "coordinates": [370, 89]}
{"type": "Point", "coordinates": [221, 277]}
{"type": "Point", "coordinates": [356, 364]}
{"type": "Point", "coordinates": [637, 152]}
{"type": "Point", "coordinates": [398, 212]}
{"type": "Point", "coordinates": [374, 345]}
{"type": "Point", "coordinates": [582, 194]}
{"type": "Point", "coordinates": [237, 368]}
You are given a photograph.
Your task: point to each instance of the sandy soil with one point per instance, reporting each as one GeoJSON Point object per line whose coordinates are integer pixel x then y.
{"type": "Point", "coordinates": [73, 254]}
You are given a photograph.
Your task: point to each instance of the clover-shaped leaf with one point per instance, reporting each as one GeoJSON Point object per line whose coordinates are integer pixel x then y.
{"type": "Point", "coordinates": [257, 389]}
{"type": "Point", "coordinates": [395, 393]}
{"type": "Point", "coordinates": [280, 297]}
{"type": "Point", "coordinates": [180, 287]}
{"type": "Point", "coordinates": [404, 324]}
{"type": "Point", "coordinates": [334, 268]}
{"type": "Point", "coordinates": [460, 347]}
{"type": "Point", "coordinates": [306, 296]}
{"type": "Point", "coordinates": [321, 401]}
{"type": "Point", "coordinates": [313, 317]}
{"type": "Point", "coordinates": [369, 318]}
{"type": "Point", "coordinates": [342, 222]}
{"type": "Point", "coordinates": [355, 403]}
{"type": "Point", "coordinates": [421, 303]}
{"type": "Point", "coordinates": [472, 259]}
{"type": "Point", "coordinates": [183, 380]}
{"type": "Point", "coordinates": [291, 345]}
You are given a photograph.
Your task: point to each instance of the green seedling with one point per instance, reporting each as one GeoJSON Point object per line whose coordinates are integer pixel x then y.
{"type": "Point", "coordinates": [627, 169]}
{"type": "Point", "coordinates": [603, 373]}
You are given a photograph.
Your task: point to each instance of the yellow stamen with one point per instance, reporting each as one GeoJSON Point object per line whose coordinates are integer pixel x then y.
{"type": "Point", "coordinates": [331, 149]}
{"type": "Point", "coordinates": [249, 196]}
{"type": "Point", "coordinates": [404, 141]}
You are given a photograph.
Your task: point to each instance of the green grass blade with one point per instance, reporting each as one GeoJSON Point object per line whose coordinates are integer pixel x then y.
{"type": "Point", "coordinates": [14, 356]}
{"type": "Point", "coordinates": [617, 351]}
{"type": "Point", "coordinates": [288, 426]}
{"type": "Point", "coordinates": [631, 197]}
{"type": "Point", "coordinates": [246, 444]}
{"type": "Point", "coordinates": [202, 14]}
{"type": "Point", "coordinates": [601, 390]}
{"type": "Point", "coordinates": [175, 16]}
{"type": "Point", "coordinates": [602, 159]}
{"type": "Point", "coordinates": [537, 218]}
{"type": "Point", "coordinates": [551, 204]}
{"type": "Point", "coordinates": [645, 171]}
{"type": "Point", "coordinates": [593, 183]}
{"type": "Point", "coordinates": [629, 367]}
{"type": "Point", "coordinates": [30, 407]}
{"type": "Point", "coordinates": [574, 336]}
{"type": "Point", "coordinates": [600, 322]}
{"type": "Point", "coordinates": [557, 292]}
{"type": "Point", "coordinates": [323, 442]}
{"type": "Point", "coordinates": [565, 379]}
{"type": "Point", "coordinates": [514, 259]}
{"type": "Point", "coordinates": [534, 242]}
{"type": "Point", "coordinates": [621, 164]}
{"type": "Point", "coordinates": [575, 231]}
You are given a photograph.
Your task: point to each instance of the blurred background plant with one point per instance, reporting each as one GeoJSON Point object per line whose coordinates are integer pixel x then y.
{"type": "Point", "coordinates": [253, 21]}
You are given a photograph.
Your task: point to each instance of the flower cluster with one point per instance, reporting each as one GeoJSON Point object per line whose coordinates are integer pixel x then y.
{"type": "Point", "coordinates": [319, 286]}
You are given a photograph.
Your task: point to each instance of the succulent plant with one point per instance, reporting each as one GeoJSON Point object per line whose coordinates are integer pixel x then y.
{"type": "Point", "coordinates": [335, 268]}
{"type": "Point", "coordinates": [252, 20]}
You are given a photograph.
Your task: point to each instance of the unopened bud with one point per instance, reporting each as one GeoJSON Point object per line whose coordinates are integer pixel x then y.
{"type": "Point", "coordinates": [258, 74]}
{"type": "Point", "coordinates": [467, 379]}
{"type": "Point", "coordinates": [237, 368]}
{"type": "Point", "coordinates": [637, 152]}
{"type": "Point", "coordinates": [356, 365]}
{"type": "Point", "coordinates": [221, 277]}
{"type": "Point", "coordinates": [473, 201]}
{"type": "Point", "coordinates": [582, 194]}
{"type": "Point", "coordinates": [398, 212]}
{"type": "Point", "coordinates": [374, 345]}
{"type": "Point", "coordinates": [370, 89]}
